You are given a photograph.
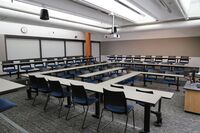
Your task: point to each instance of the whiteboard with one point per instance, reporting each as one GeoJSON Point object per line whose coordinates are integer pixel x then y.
{"type": "Point", "coordinates": [96, 50]}
{"type": "Point", "coordinates": [22, 48]}
{"type": "Point", "coordinates": [74, 48]}
{"type": "Point", "coordinates": [52, 48]}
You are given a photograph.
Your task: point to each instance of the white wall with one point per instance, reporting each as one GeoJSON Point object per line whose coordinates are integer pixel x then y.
{"type": "Point", "coordinates": [39, 31]}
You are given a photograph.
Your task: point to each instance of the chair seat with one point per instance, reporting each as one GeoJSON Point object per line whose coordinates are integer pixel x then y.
{"type": "Point", "coordinates": [119, 110]}
{"type": "Point", "coordinates": [82, 101]}
{"type": "Point", "coordinates": [6, 104]}
{"type": "Point", "coordinates": [26, 68]}
{"type": "Point", "coordinates": [44, 90]}
{"type": "Point", "coordinates": [58, 94]}
{"type": "Point", "coordinates": [10, 70]}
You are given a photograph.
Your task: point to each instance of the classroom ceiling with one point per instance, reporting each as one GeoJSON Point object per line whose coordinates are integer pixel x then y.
{"type": "Point", "coordinates": [96, 15]}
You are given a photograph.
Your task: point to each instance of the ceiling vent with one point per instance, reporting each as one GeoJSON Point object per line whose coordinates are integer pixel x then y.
{"type": "Point", "coordinates": [113, 34]}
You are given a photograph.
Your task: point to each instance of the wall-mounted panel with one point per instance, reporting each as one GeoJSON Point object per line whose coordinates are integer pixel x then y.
{"type": "Point", "coordinates": [74, 48]}
{"type": "Point", "coordinates": [22, 48]}
{"type": "Point", "coordinates": [52, 48]}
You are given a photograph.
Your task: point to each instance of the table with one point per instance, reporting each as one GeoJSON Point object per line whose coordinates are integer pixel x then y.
{"type": "Point", "coordinates": [192, 97]}
{"type": "Point", "coordinates": [7, 86]}
{"type": "Point", "coordinates": [99, 72]}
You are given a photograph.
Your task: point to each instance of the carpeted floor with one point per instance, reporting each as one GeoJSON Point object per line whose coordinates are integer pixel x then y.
{"type": "Point", "coordinates": [34, 120]}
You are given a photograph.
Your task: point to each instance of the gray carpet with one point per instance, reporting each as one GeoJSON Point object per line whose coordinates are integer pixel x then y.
{"type": "Point", "coordinates": [34, 120]}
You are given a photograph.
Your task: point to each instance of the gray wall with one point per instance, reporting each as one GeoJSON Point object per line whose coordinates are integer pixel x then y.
{"type": "Point", "coordinates": [171, 46]}
{"type": "Point", "coordinates": [2, 48]}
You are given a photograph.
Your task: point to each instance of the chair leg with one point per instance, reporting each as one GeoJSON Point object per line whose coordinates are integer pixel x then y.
{"type": "Point", "coordinates": [133, 119]}
{"type": "Point", "coordinates": [60, 107]}
{"type": "Point", "coordinates": [66, 118]}
{"type": "Point", "coordinates": [34, 99]}
{"type": "Point", "coordinates": [85, 118]}
{"type": "Point", "coordinates": [126, 123]}
{"type": "Point", "coordinates": [45, 106]}
{"type": "Point", "coordinates": [100, 120]}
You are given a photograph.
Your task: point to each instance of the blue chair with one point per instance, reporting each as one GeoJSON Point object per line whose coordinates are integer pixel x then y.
{"type": "Point", "coordinates": [33, 87]}
{"type": "Point", "coordinates": [65, 75]}
{"type": "Point", "coordinates": [80, 97]}
{"type": "Point", "coordinates": [111, 58]}
{"type": "Point", "coordinates": [38, 63]}
{"type": "Point", "coordinates": [58, 92]}
{"type": "Point", "coordinates": [184, 60]}
{"type": "Point", "coordinates": [158, 59]}
{"type": "Point", "coordinates": [118, 58]}
{"type": "Point", "coordinates": [10, 68]}
{"type": "Point", "coordinates": [138, 67]}
{"type": "Point", "coordinates": [26, 66]}
{"type": "Point", "coordinates": [148, 59]}
{"type": "Point", "coordinates": [149, 68]}
{"type": "Point", "coordinates": [128, 58]}
{"type": "Point", "coordinates": [51, 63]}
{"type": "Point", "coordinates": [42, 87]}
{"type": "Point", "coordinates": [61, 62]}
{"type": "Point", "coordinates": [179, 70]}
{"type": "Point", "coordinates": [137, 58]}
{"type": "Point", "coordinates": [171, 60]}
{"type": "Point", "coordinates": [5, 104]}
{"type": "Point", "coordinates": [115, 102]}
{"type": "Point", "coordinates": [164, 69]}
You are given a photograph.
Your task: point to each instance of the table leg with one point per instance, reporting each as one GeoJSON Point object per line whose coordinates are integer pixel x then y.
{"type": "Point", "coordinates": [158, 114]}
{"type": "Point", "coordinates": [144, 75]}
{"type": "Point", "coordinates": [147, 111]}
{"type": "Point", "coordinates": [18, 73]}
{"type": "Point", "coordinates": [177, 84]}
{"type": "Point", "coordinates": [97, 106]}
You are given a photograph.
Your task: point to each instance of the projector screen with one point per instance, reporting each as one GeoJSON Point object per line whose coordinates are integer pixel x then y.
{"type": "Point", "coordinates": [74, 48]}
{"type": "Point", "coordinates": [22, 48]}
{"type": "Point", "coordinates": [52, 48]}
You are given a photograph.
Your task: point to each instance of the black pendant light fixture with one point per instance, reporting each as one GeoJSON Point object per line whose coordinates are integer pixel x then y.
{"type": "Point", "coordinates": [44, 14]}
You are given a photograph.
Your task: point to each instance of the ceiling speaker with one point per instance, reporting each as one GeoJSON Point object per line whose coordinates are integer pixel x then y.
{"type": "Point", "coordinates": [44, 14]}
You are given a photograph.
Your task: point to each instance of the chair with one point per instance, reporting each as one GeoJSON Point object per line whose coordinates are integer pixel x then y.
{"type": "Point", "coordinates": [138, 67]}
{"type": "Point", "coordinates": [179, 70]}
{"type": "Point", "coordinates": [61, 62]}
{"type": "Point", "coordinates": [148, 59]}
{"type": "Point", "coordinates": [149, 67]}
{"type": "Point", "coordinates": [184, 60]}
{"type": "Point", "coordinates": [171, 59]}
{"type": "Point", "coordinates": [164, 69]}
{"type": "Point", "coordinates": [58, 92]}
{"type": "Point", "coordinates": [10, 68]}
{"type": "Point", "coordinates": [51, 63]}
{"type": "Point", "coordinates": [128, 58]}
{"type": "Point", "coordinates": [170, 80]}
{"type": "Point", "coordinates": [118, 58]}
{"type": "Point", "coordinates": [80, 97]}
{"type": "Point", "coordinates": [111, 58]}
{"type": "Point", "coordinates": [33, 86]}
{"type": "Point", "coordinates": [26, 66]}
{"type": "Point", "coordinates": [42, 86]}
{"type": "Point", "coordinates": [6, 104]}
{"type": "Point", "coordinates": [158, 59]}
{"type": "Point", "coordinates": [115, 102]}
{"type": "Point", "coordinates": [137, 58]}
{"type": "Point", "coordinates": [38, 63]}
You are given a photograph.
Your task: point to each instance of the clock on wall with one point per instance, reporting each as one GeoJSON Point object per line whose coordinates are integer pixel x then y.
{"type": "Point", "coordinates": [24, 30]}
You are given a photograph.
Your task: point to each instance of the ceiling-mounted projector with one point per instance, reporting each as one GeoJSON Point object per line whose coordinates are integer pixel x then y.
{"type": "Point", "coordinates": [113, 34]}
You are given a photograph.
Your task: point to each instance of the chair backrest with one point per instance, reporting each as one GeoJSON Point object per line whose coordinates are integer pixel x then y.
{"type": "Point", "coordinates": [114, 98]}
{"type": "Point", "coordinates": [78, 91]}
{"type": "Point", "coordinates": [33, 82]}
{"type": "Point", "coordinates": [144, 91]}
{"type": "Point", "coordinates": [55, 86]}
{"type": "Point", "coordinates": [8, 66]}
{"type": "Point", "coordinates": [42, 83]}
{"type": "Point", "coordinates": [117, 86]}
